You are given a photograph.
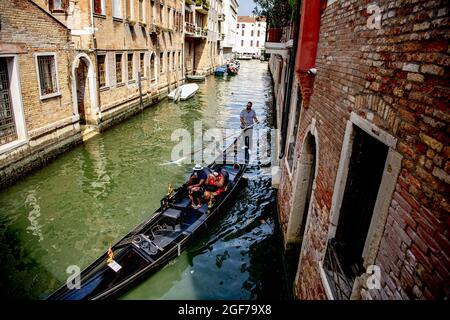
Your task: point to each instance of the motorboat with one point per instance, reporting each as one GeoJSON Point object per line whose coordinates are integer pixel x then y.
{"type": "Point", "coordinates": [196, 77]}
{"type": "Point", "coordinates": [184, 92]}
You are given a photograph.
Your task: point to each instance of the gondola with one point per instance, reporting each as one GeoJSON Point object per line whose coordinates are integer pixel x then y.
{"type": "Point", "coordinates": [157, 240]}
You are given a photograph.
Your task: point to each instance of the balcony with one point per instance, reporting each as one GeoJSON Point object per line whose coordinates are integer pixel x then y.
{"type": "Point", "coordinates": [279, 40]}
{"type": "Point", "coordinates": [201, 32]}
{"type": "Point", "coordinates": [189, 29]}
{"type": "Point", "coordinates": [221, 17]}
{"type": "Point", "coordinates": [154, 29]}
{"type": "Point", "coordinates": [202, 6]}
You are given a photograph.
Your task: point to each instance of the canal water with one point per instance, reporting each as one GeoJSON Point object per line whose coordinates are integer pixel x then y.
{"type": "Point", "coordinates": [69, 212]}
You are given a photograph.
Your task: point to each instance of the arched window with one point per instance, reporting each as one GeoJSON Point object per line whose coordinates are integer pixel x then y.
{"type": "Point", "coordinates": [152, 67]}
{"type": "Point", "coordinates": [174, 62]}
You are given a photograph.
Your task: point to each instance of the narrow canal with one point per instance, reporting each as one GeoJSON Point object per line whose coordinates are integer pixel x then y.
{"type": "Point", "coordinates": [69, 212]}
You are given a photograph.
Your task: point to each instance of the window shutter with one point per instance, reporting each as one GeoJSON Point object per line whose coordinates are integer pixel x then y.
{"type": "Point", "coordinates": [98, 6]}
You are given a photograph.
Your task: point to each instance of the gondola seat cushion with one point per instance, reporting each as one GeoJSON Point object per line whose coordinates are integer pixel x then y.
{"type": "Point", "coordinates": [171, 213]}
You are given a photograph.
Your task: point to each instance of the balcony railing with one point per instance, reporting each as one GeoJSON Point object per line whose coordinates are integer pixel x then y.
{"type": "Point", "coordinates": [279, 35]}
{"type": "Point", "coordinates": [189, 28]}
{"type": "Point", "coordinates": [201, 32]}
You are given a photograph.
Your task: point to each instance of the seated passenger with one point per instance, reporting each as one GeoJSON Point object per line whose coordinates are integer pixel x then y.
{"type": "Point", "coordinates": [195, 186]}
{"type": "Point", "coordinates": [215, 185]}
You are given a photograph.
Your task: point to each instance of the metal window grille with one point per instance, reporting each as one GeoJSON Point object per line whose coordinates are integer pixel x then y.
{"type": "Point", "coordinates": [340, 283]}
{"type": "Point", "coordinates": [142, 64]}
{"type": "Point", "coordinates": [152, 67]}
{"type": "Point", "coordinates": [119, 68]}
{"type": "Point", "coordinates": [130, 66]}
{"type": "Point", "coordinates": [47, 74]}
{"type": "Point", "coordinates": [174, 62]}
{"type": "Point", "coordinates": [101, 70]}
{"type": "Point", "coordinates": [7, 125]}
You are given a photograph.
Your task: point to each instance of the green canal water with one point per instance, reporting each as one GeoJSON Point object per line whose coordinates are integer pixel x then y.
{"type": "Point", "coordinates": [69, 212]}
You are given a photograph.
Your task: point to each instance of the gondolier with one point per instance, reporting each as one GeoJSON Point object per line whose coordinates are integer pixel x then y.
{"type": "Point", "coordinates": [248, 118]}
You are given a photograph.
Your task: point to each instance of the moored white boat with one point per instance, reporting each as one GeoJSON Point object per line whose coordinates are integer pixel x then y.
{"type": "Point", "coordinates": [196, 77]}
{"type": "Point", "coordinates": [184, 92]}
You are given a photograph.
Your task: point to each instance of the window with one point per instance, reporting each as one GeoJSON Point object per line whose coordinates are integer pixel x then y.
{"type": "Point", "coordinates": [258, 34]}
{"type": "Point", "coordinates": [259, 24]}
{"type": "Point", "coordinates": [174, 61]}
{"type": "Point", "coordinates": [238, 25]}
{"type": "Point", "coordinates": [242, 43]}
{"type": "Point", "coordinates": [294, 126]}
{"type": "Point", "coordinates": [161, 62]}
{"type": "Point", "coordinates": [119, 78]}
{"type": "Point", "coordinates": [251, 34]}
{"type": "Point", "coordinates": [8, 131]}
{"type": "Point", "coordinates": [242, 32]}
{"type": "Point", "coordinates": [99, 7]}
{"type": "Point", "coordinates": [243, 25]}
{"type": "Point", "coordinates": [117, 8]}
{"type": "Point", "coordinates": [166, 17]}
{"type": "Point", "coordinates": [344, 254]}
{"type": "Point", "coordinates": [257, 43]}
{"type": "Point", "coordinates": [57, 5]}
{"type": "Point", "coordinates": [152, 67]}
{"type": "Point", "coordinates": [101, 70]}
{"type": "Point", "coordinates": [161, 8]}
{"type": "Point", "coordinates": [180, 62]}
{"type": "Point", "coordinates": [168, 61]}
{"type": "Point", "coordinates": [48, 82]}
{"type": "Point", "coordinates": [141, 10]}
{"type": "Point", "coordinates": [141, 64]}
{"type": "Point", "coordinates": [130, 66]}
{"type": "Point", "coordinates": [130, 9]}
{"type": "Point", "coordinates": [251, 43]}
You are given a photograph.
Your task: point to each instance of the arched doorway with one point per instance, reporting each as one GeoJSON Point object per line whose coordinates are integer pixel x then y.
{"type": "Point", "coordinates": [303, 189]}
{"type": "Point", "coordinates": [84, 89]}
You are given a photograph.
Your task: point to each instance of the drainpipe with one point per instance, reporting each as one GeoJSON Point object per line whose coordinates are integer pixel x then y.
{"type": "Point", "coordinates": [287, 99]}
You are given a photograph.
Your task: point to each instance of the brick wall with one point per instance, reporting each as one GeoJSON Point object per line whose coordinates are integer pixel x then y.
{"type": "Point", "coordinates": [50, 126]}
{"type": "Point", "coordinates": [398, 74]}
{"type": "Point", "coordinates": [25, 24]}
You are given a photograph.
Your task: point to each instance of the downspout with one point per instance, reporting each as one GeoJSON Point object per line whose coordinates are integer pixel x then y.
{"type": "Point", "coordinates": [287, 99]}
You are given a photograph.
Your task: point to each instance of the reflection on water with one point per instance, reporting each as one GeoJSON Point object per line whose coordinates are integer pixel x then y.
{"type": "Point", "coordinates": [69, 212]}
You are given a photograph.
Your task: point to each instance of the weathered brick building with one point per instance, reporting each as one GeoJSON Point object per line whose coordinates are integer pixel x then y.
{"type": "Point", "coordinates": [88, 64]}
{"type": "Point", "coordinates": [114, 42]}
{"type": "Point", "coordinates": [36, 111]}
{"type": "Point", "coordinates": [203, 32]}
{"type": "Point", "coordinates": [364, 148]}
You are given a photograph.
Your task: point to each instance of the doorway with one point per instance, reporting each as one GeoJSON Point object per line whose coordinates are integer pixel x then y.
{"type": "Point", "coordinates": [300, 206]}
{"type": "Point", "coordinates": [82, 90]}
